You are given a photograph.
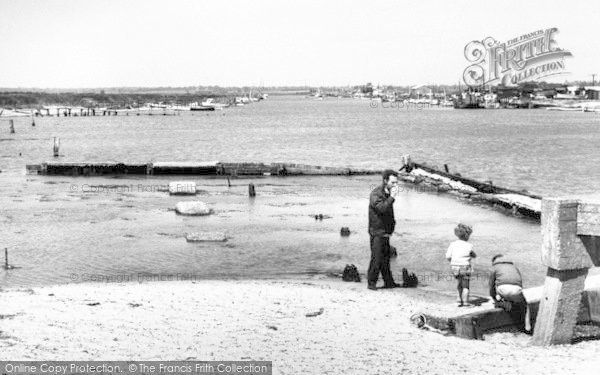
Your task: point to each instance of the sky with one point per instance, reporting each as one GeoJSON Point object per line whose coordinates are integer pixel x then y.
{"type": "Point", "coordinates": [149, 43]}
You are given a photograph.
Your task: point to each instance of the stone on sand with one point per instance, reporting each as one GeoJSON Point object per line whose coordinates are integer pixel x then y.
{"type": "Point", "coordinates": [206, 237]}
{"type": "Point", "coordinates": [193, 208]}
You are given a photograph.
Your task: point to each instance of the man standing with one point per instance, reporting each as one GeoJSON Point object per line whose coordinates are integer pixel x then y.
{"type": "Point", "coordinates": [381, 227]}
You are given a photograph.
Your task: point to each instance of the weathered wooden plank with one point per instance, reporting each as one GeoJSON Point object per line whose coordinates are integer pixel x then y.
{"type": "Point", "coordinates": [587, 207]}
{"type": "Point", "coordinates": [588, 219]}
{"type": "Point", "coordinates": [189, 168]}
{"type": "Point", "coordinates": [559, 306]}
{"type": "Point", "coordinates": [562, 249]}
{"type": "Point", "coordinates": [592, 298]}
{"type": "Point", "coordinates": [34, 168]}
{"type": "Point", "coordinates": [184, 164]}
{"type": "Point", "coordinates": [473, 326]}
{"type": "Point", "coordinates": [588, 229]}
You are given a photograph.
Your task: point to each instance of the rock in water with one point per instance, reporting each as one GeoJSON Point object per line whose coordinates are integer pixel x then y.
{"type": "Point", "coordinates": [193, 208]}
{"type": "Point", "coordinates": [182, 188]}
{"type": "Point", "coordinates": [206, 237]}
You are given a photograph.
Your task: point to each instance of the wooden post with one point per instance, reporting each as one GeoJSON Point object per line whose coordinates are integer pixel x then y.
{"type": "Point", "coordinates": [12, 126]}
{"type": "Point", "coordinates": [6, 258]}
{"type": "Point", "coordinates": [56, 146]}
{"type": "Point", "coordinates": [251, 190]}
{"type": "Point", "coordinates": [32, 120]}
{"type": "Point", "coordinates": [570, 246]}
{"type": "Point", "coordinates": [446, 168]}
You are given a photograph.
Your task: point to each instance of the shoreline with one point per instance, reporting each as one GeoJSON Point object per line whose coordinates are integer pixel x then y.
{"type": "Point", "coordinates": [357, 330]}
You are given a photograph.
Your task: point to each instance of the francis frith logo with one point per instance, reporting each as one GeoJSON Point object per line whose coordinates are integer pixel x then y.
{"type": "Point", "coordinates": [529, 57]}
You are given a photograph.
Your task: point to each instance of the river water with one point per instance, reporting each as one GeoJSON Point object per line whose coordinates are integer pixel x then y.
{"type": "Point", "coordinates": [107, 229]}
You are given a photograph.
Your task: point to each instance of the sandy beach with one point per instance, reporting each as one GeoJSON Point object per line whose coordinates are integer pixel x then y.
{"type": "Point", "coordinates": [358, 331]}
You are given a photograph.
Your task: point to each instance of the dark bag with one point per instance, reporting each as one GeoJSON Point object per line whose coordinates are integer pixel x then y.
{"type": "Point", "coordinates": [351, 273]}
{"type": "Point", "coordinates": [410, 280]}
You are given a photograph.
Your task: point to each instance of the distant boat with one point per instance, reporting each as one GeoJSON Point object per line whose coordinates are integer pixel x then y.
{"type": "Point", "coordinates": [241, 101]}
{"type": "Point", "coordinates": [567, 109]}
{"type": "Point", "coordinates": [210, 102]}
{"type": "Point", "coordinates": [201, 108]}
{"type": "Point", "coordinates": [467, 100]}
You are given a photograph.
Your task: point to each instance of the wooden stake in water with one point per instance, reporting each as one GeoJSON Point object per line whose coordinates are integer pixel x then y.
{"type": "Point", "coordinates": [32, 120]}
{"type": "Point", "coordinates": [56, 146]}
{"type": "Point", "coordinates": [6, 257]}
{"type": "Point", "coordinates": [12, 126]}
{"type": "Point", "coordinates": [251, 190]}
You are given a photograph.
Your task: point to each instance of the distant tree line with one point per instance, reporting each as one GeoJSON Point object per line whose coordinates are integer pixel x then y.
{"type": "Point", "coordinates": [113, 100]}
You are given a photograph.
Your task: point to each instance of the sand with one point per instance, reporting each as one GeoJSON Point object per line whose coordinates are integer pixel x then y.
{"type": "Point", "coordinates": [358, 332]}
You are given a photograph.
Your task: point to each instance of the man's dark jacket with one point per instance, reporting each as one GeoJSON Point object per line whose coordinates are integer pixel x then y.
{"type": "Point", "coordinates": [504, 272]}
{"type": "Point", "coordinates": [381, 212]}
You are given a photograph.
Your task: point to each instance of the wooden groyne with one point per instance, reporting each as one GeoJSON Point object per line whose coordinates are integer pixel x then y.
{"type": "Point", "coordinates": [191, 168]}
{"type": "Point", "coordinates": [516, 202]}
{"type": "Point", "coordinates": [66, 111]}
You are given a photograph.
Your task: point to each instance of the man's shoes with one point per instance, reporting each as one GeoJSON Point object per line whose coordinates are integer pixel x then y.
{"type": "Point", "coordinates": [394, 285]}
{"type": "Point", "coordinates": [372, 287]}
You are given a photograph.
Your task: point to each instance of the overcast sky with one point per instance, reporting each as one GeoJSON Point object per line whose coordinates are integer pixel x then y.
{"type": "Point", "coordinates": [68, 43]}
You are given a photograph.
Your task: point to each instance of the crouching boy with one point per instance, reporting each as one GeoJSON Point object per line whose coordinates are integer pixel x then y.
{"type": "Point", "coordinates": [506, 286]}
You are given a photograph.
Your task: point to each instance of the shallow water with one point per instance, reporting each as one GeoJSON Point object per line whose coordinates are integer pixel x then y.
{"type": "Point", "coordinates": [103, 229]}
{"type": "Point", "coordinates": [129, 231]}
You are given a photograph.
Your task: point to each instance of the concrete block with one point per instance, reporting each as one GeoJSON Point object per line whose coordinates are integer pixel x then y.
{"type": "Point", "coordinates": [206, 237]}
{"type": "Point", "coordinates": [192, 208]}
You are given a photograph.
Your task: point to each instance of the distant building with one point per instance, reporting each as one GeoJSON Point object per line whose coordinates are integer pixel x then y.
{"type": "Point", "coordinates": [575, 90]}
{"type": "Point", "coordinates": [592, 92]}
{"type": "Point", "coordinates": [421, 91]}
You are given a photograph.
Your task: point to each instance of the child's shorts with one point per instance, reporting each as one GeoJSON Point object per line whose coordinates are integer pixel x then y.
{"type": "Point", "coordinates": [463, 275]}
{"type": "Point", "coordinates": [461, 271]}
{"type": "Point", "coordinates": [512, 293]}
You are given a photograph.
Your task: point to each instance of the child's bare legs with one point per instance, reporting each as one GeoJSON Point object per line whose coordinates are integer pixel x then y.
{"type": "Point", "coordinates": [527, 318]}
{"type": "Point", "coordinates": [459, 287]}
{"type": "Point", "coordinates": [465, 295]}
{"type": "Point", "coordinates": [466, 281]}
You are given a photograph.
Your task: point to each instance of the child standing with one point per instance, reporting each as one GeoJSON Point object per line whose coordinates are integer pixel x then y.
{"type": "Point", "coordinates": [459, 254]}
